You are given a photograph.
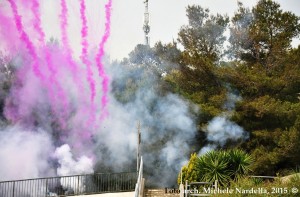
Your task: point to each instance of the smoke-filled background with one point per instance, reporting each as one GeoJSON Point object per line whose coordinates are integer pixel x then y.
{"type": "Point", "coordinates": [54, 104]}
{"type": "Point", "coordinates": [65, 115]}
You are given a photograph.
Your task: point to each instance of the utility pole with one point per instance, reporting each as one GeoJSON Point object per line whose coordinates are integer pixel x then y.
{"type": "Point", "coordinates": [146, 26]}
{"type": "Point", "coordinates": [138, 146]}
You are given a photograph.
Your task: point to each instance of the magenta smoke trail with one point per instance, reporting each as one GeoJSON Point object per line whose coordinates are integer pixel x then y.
{"type": "Point", "coordinates": [68, 50]}
{"type": "Point", "coordinates": [24, 37]}
{"type": "Point", "coordinates": [64, 34]}
{"type": "Point", "coordinates": [84, 52]}
{"type": "Point", "coordinates": [99, 57]}
{"type": "Point", "coordinates": [52, 83]}
{"type": "Point", "coordinates": [37, 20]}
{"type": "Point", "coordinates": [63, 25]}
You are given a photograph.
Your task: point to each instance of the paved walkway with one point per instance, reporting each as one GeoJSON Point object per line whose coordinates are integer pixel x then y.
{"type": "Point", "coordinates": [122, 194]}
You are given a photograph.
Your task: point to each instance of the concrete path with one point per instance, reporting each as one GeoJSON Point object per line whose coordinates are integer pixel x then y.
{"type": "Point", "coordinates": [121, 194]}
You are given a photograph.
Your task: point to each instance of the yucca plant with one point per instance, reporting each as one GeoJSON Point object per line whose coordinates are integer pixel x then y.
{"type": "Point", "coordinates": [221, 166]}
{"type": "Point", "coordinates": [239, 163]}
{"type": "Point", "coordinates": [214, 166]}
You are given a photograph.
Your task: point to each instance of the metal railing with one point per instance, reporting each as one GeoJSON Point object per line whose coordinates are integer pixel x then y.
{"type": "Point", "coordinates": [70, 185]}
{"type": "Point", "coordinates": [139, 183]}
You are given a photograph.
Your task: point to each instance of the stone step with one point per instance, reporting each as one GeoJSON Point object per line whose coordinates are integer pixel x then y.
{"type": "Point", "coordinates": [158, 193]}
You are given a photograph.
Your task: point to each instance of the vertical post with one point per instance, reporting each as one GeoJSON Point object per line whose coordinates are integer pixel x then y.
{"type": "Point", "coordinates": [46, 186]}
{"type": "Point", "coordinates": [181, 187]}
{"type": "Point", "coordinates": [78, 189]}
{"type": "Point", "coordinates": [186, 188]}
{"type": "Point", "coordinates": [14, 189]}
{"type": "Point", "coordinates": [181, 176]}
{"type": "Point", "coordinates": [138, 146]}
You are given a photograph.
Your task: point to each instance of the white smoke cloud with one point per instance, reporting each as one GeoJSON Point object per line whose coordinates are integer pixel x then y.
{"type": "Point", "coordinates": [167, 128]}
{"type": "Point", "coordinates": [207, 148]}
{"type": "Point", "coordinates": [231, 101]}
{"type": "Point", "coordinates": [220, 129]}
{"type": "Point", "coordinates": [70, 166]}
{"type": "Point", "coordinates": [24, 154]}
{"type": "Point", "coordinates": [167, 125]}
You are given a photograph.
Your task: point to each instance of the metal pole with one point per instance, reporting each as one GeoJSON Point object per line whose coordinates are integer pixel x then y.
{"type": "Point", "coordinates": [181, 175]}
{"type": "Point", "coordinates": [46, 186]}
{"type": "Point", "coordinates": [78, 190]}
{"type": "Point", "coordinates": [14, 189]}
{"type": "Point", "coordinates": [146, 26]}
{"type": "Point", "coordinates": [138, 146]}
{"type": "Point", "coordinates": [185, 190]}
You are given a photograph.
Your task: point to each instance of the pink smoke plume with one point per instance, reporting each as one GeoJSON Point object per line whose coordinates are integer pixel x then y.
{"type": "Point", "coordinates": [84, 133]}
{"type": "Point", "coordinates": [84, 52]}
{"type": "Point", "coordinates": [24, 37]}
{"type": "Point", "coordinates": [72, 65]}
{"type": "Point", "coordinates": [63, 25]}
{"type": "Point", "coordinates": [37, 20]}
{"type": "Point", "coordinates": [65, 41]}
{"type": "Point", "coordinates": [31, 49]}
{"type": "Point", "coordinates": [52, 84]}
{"type": "Point", "coordinates": [47, 90]}
{"type": "Point", "coordinates": [99, 58]}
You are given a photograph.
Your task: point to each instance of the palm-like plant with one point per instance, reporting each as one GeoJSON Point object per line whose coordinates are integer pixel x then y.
{"type": "Point", "coordinates": [223, 165]}
{"type": "Point", "coordinates": [214, 166]}
{"type": "Point", "coordinates": [239, 163]}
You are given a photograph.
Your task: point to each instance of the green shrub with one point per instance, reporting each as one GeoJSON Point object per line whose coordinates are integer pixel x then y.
{"type": "Point", "coordinates": [222, 166]}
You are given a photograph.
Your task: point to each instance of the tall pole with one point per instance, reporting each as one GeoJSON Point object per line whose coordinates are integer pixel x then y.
{"type": "Point", "coordinates": [146, 26]}
{"type": "Point", "coordinates": [138, 146]}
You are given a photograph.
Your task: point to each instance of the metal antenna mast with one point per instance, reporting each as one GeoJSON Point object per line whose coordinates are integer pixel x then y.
{"type": "Point", "coordinates": [146, 26]}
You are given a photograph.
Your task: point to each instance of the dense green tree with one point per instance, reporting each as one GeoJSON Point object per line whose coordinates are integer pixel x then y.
{"type": "Point", "coordinates": [204, 35]}
{"type": "Point", "coordinates": [264, 35]}
{"type": "Point", "coordinates": [168, 54]}
{"type": "Point", "coordinates": [263, 69]}
{"type": "Point", "coordinates": [196, 79]}
{"type": "Point", "coordinates": [266, 73]}
{"type": "Point", "coordinates": [141, 55]}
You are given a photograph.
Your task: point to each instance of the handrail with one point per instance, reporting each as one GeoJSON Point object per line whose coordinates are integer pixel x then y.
{"type": "Point", "coordinates": [70, 185]}
{"type": "Point", "coordinates": [139, 183]}
{"type": "Point", "coordinates": [50, 177]}
{"type": "Point", "coordinates": [264, 177]}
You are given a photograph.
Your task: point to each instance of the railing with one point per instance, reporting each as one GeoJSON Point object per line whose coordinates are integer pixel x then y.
{"type": "Point", "coordinates": [70, 185]}
{"type": "Point", "coordinates": [139, 184]}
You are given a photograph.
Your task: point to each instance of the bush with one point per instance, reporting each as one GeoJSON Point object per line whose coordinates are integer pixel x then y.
{"type": "Point", "coordinates": [222, 166]}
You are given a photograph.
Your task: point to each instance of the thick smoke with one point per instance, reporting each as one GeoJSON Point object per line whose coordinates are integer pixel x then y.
{"type": "Point", "coordinates": [70, 166]}
{"type": "Point", "coordinates": [55, 135]}
{"type": "Point", "coordinates": [221, 129]}
{"type": "Point", "coordinates": [167, 126]}
{"type": "Point", "coordinates": [25, 153]}
{"type": "Point", "coordinates": [41, 113]}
